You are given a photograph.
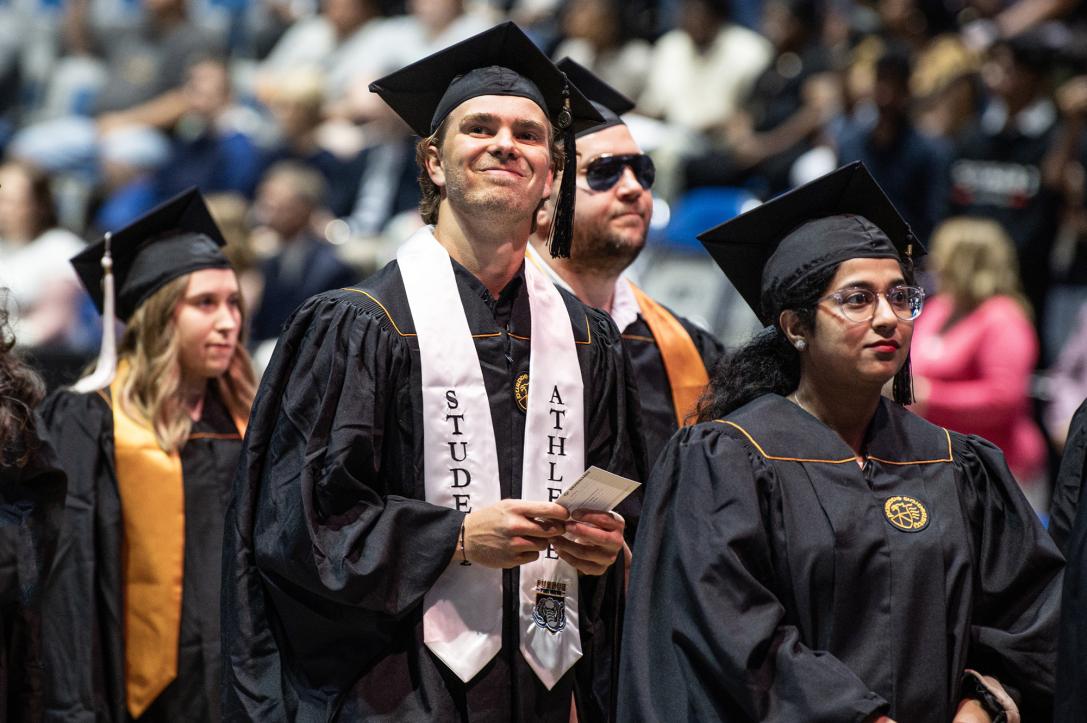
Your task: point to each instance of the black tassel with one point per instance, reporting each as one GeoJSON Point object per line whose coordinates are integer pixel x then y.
{"type": "Point", "coordinates": [562, 227]}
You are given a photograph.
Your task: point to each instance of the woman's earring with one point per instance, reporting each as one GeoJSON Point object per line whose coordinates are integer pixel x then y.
{"type": "Point", "coordinates": [800, 344]}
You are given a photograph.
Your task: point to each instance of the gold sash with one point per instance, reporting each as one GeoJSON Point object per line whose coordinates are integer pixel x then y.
{"type": "Point", "coordinates": [152, 494]}
{"type": "Point", "coordinates": [682, 363]}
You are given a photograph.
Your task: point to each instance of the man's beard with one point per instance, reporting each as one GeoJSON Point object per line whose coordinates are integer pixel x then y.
{"type": "Point", "coordinates": [483, 200]}
{"type": "Point", "coordinates": [604, 252]}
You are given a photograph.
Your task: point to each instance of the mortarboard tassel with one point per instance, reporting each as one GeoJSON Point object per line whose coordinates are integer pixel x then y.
{"type": "Point", "coordinates": [562, 227]}
{"type": "Point", "coordinates": [106, 366]}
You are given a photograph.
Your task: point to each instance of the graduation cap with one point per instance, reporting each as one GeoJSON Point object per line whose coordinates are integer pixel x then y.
{"type": "Point", "coordinates": [839, 216]}
{"type": "Point", "coordinates": [499, 61]}
{"type": "Point", "coordinates": [608, 101]}
{"type": "Point", "coordinates": [126, 267]}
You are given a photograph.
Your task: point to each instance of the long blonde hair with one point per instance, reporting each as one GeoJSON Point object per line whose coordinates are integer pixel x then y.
{"type": "Point", "coordinates": [975, 259]}
{"type": "Point", "coordinates": [151, 348]}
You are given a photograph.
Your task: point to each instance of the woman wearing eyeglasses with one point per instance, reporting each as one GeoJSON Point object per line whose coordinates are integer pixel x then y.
{"type": "Point", "coordinates": [811, 550]}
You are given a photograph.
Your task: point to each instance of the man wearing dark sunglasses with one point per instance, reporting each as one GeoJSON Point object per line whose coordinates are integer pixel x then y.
{"type": "Point", "coordinates": [670, 355]}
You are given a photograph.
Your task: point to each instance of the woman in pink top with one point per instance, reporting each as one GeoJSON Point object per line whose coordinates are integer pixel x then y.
{"type": "Point", "coordinates": [975, 347]}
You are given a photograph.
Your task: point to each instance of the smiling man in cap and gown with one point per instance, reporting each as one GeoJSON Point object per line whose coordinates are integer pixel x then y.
{"type": "Point", "coordinates": [811, 550]}
{"type": "Point", "coordinates": [671, 357]}
{"type": "Point", "coordinates": [395, 550]}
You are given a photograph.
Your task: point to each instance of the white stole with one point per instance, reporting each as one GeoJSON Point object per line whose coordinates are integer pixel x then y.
{"type": "Point", "coordinates": [624, 305]}
{"type": "Point", "coordinates": [462, 619]}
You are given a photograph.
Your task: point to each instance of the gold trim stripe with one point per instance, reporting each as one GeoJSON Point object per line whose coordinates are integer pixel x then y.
{"type": "Point", "coordinates": [588, 330]}
{"type": "Point", "coordinates": [949, 458]}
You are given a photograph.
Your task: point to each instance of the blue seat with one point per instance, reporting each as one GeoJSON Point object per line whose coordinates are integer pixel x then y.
{"type": "Point", "coordinates": [701, 209]}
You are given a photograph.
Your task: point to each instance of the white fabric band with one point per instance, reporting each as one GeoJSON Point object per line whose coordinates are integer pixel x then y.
{"type": "Point", "coordinates": [624, 305]}
{"type": "Point", "coordinates": [462, 619]}
{"type": "Point", "coordinates": [554, 457]}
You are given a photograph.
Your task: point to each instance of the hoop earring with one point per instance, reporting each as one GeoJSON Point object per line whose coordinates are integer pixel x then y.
{"type": "Point", "coordinates": [800, 344]}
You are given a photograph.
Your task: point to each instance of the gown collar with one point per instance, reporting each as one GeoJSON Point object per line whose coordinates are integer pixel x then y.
{"type": "Point", "coordinates": [780, 430]}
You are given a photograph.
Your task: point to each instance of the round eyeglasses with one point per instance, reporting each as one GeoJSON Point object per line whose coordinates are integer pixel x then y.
{"type": "Point", "coordinates": [860, 305]}
{"type": "Point", "coordinates": [604, 172]}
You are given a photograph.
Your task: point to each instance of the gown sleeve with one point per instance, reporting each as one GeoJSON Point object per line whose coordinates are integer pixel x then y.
{"type": "Point", "coordinates": [705, 637]}
{"type": "Point", "coordinates": [613, 429]}
{"type": "Point", "coordinates": [31, 509]}
{"type": "Point", "coordinates": [330, 455]}
{"type": "Point", "coordinates": [321, 522]}
{"type": "Point", "coordinates": [82, 617]}
{"type": "Point", "coordinates": [1069, 485]}
{"type": "Point", "coordinates": [1014, 623]}
{"type": "Point", "coordinates": [1068, 525]}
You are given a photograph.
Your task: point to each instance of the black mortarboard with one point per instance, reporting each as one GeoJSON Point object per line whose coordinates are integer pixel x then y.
{"type": "Point", "coordinates": [499, 61]}
{"type": "Point", "coordinates": [840, 216]}
{"type": "Point", "coordinates": [171, 240]}
{"type": "Point", "coordinates": [609, 102]}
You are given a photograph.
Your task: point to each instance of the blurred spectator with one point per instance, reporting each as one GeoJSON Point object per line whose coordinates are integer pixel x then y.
{"type": "Point", "coordinates": [974, 348]}
{"type": "Point", "coordinates": [990, 21]}
{"type": "Point", "coordinates": [1067, 383]}
{"type": "Point", "coordinates": [32, 488]}
{"type": "Point", "coordinates": [117, 67]}
{"type": "Point", "coordinates": [789, 105]}
{"type": "Point", "coordinates": [385, 174]}
{"type": "Point", "coordinates": [212, 146]}
{"type": "Point", "coordinates": [909, 23]}
{"type": "Point", "coordinates": [129, 158]}
{"type": "Point", "coordinates": [231, 214]}
{"type": "Point", "coordinates": [287, 204]}
{"type": "Point", "coordinates": [331, 43]}
{"type": "Point", "coordinates": [137, 91]}
{"type": "Point", "coordinates": [29, 46]}
{"type": "Point", "coordinates": [387, 186]}
{"type": "Point", "coordinates": [1068, 287]}
{"type": "Point", "coordinates": [945, 85]}
{"type": "Point", "coordinates": [598, 37]}
{"type": "Point", "coordinates": [44, 297]}
{"type": "Point", "coordinates": [429, 26]}
{"type": "Point", "coordinates": [262, 25]}
{"type": "Point", "coordinates": [1003, 170]}
{"type": "Point", "coordinates": [701, 71]}
{"type": "Point", "coordinates": [296, 104]}
{"type": "Point", "coordinates": [910, 167]}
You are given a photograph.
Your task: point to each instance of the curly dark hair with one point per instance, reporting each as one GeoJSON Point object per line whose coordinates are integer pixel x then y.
{"type": "Point", "coordinates": [20, 391]}
{"type": "Point", "coordinates": [768, 364]}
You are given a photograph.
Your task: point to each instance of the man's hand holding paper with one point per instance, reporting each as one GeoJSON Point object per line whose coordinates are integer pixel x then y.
{"type": "Point", "coordinates": [594, 536]}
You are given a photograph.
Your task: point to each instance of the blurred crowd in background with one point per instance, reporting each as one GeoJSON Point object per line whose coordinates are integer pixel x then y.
{"type": "Point", "coordinates": [970, 113]}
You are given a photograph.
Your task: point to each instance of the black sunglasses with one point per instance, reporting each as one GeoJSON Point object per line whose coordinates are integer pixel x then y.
{"type": "Point", "coordinates": [604, 172]}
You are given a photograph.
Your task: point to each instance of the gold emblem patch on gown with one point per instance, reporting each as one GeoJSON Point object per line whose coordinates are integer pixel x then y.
{"type": "Point", "coordinates": [520, 391]}
{"type": "Point", "coordinates": [906, 513]}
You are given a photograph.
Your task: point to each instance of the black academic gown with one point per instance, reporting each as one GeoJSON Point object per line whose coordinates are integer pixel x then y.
{"type": "Point", "coordinates": [658, 412]}
{"type": "Point", "coordinates": [331, 546]}
{"type": "Point", "coordinates": [768, 584]}
{"type": "Point", "coordinates": [31, 509]}
{"type": "Point", "coordinates": [84, 608]}
{"type": "Point", "coordinates": [1068, 525]}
